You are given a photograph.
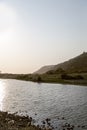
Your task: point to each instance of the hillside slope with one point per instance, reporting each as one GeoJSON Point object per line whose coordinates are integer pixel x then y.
{"type": "Point", "coordinates": [76, 65]}
{"type": "Point", "coordinates": [44, 69]}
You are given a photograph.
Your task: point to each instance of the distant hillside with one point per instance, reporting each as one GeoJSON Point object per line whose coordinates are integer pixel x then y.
{"type": "Point", "coordinates": [76, 65]}
{"type": "Point", "coordinates": [44, 69]}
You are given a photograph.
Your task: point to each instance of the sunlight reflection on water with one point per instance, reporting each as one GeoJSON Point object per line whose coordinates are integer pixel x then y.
{"type": "Point", "coordinates": [2, 94]}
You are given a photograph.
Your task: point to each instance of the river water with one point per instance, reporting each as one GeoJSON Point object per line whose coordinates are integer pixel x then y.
{"type": "Point", "coordinates": [60, 103]}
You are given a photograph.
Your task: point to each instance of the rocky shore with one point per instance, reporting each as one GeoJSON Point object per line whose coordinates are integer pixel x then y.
{"type": "Point", "coordinates": [15, 122]}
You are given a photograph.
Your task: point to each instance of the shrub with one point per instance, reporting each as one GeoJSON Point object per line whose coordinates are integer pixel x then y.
{"type": "Point", "coordinates": [69, 77]}
{"type": "Point", "coordinates": [39, 79]}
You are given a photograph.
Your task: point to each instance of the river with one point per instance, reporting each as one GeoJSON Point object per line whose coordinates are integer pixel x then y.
{"type": "Point", "coordinates": [61, 103]}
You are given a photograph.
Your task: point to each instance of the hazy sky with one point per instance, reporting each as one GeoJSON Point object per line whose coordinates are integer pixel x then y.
{"type": "Point", "coordinates": [34, 33]}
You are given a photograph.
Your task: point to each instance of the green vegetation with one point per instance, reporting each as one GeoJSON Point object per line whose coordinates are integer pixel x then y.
{"type": "Point", "coordinates": [57, 71]}
{"type": "Point", "coordinates": [63, 78]}
{"type": "Point", "coordinates": [70, 77]}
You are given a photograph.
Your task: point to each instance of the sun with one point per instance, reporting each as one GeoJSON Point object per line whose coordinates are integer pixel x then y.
{"type": "Point", "coordinates": [8, 18]}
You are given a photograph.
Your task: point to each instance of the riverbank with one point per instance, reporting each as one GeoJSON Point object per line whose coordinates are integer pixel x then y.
{"type": "Point", "coordinates": [49, 78]}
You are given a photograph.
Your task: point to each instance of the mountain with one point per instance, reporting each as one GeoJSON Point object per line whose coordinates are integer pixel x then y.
{"type": "Point", "coordinates": [75, 65]}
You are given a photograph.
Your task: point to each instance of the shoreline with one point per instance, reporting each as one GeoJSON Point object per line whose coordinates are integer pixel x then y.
{"type": "Point", "coordinates": [64, 82]}
{"type": "Point", "coordinates": [73, 79]}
